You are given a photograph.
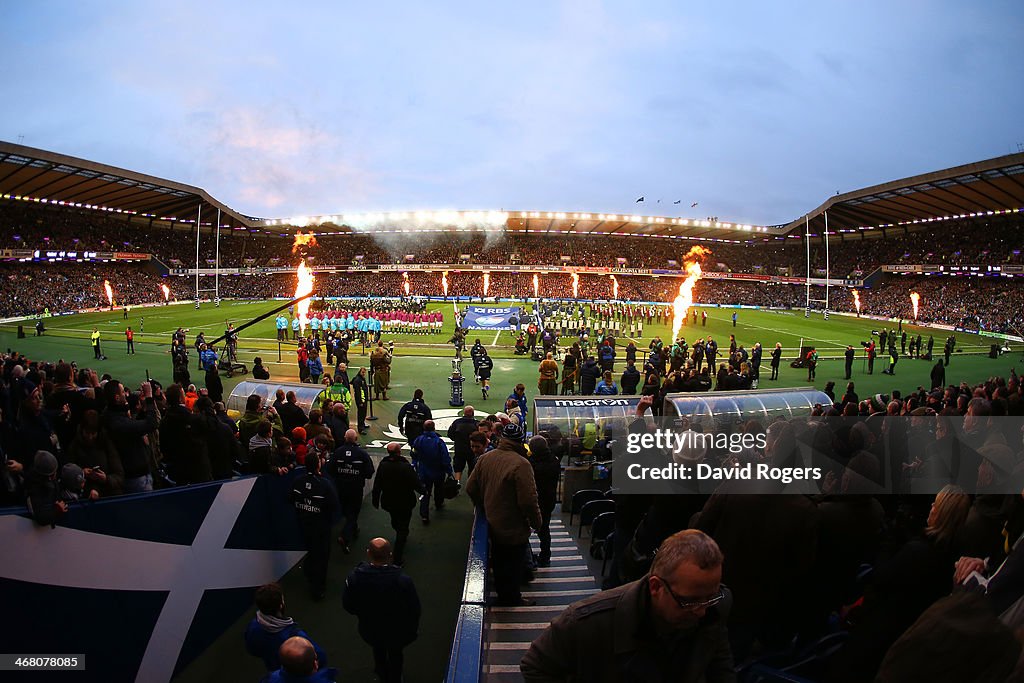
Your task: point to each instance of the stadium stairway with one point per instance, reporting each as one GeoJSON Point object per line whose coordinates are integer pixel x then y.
{"type": "Point", "coordinates": [510, 630]}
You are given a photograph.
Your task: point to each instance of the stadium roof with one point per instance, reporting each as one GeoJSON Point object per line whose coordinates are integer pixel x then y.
{"type": "Point", "coordinates": [46, 177]}
{"type": "Point", "coordinates": [986, 188]}
{"type": "Point", "coordinates": [532, 222]}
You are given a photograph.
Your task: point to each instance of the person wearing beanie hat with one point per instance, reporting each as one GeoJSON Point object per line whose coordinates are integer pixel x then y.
{"type": "Point", "coordinates": [42, 489]}
{"type": "Point", "coordinates": [298, 439]}
{"type": "Point", "coordinates": [513, 432]}
{"type": "Point", "coordinates": [504, 484]}
{"type": "Point", "coordinates": [44, 464]}
{"type": "Point", "coordinates": [72, 483]}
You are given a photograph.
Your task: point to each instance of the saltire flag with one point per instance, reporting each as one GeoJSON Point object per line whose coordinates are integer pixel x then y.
{"type": "Point", "coordinates": [142, 584]}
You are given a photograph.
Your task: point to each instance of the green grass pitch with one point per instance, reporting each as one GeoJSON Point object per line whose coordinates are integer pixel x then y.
{"type": "Point", "coordinates": [423, 360]}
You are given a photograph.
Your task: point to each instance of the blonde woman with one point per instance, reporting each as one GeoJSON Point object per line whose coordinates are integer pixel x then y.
{"type": "Point", "coordinates": [903, 587]}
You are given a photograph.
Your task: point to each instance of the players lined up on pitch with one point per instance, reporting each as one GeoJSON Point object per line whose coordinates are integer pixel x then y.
{"type": "Point", "coordinates": [367, 323]}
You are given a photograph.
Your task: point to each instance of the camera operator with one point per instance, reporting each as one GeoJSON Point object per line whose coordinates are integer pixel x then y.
{"type": "Point", "coordinates": [231, 339]}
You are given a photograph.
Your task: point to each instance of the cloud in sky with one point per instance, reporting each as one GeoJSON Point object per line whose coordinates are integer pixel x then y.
{"type": "Point", "coordinates": [759, 111]}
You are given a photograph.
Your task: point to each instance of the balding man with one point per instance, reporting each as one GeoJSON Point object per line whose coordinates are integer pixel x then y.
{"type": "Point", "coordinates": [668, 625]}
{"type": "Point", "coordinates": [299, 664]}
{"type": "Point", "coordinates": [350, 467]}
{"type": "Point", "coordinates": [395, 489]}
{"type": "Point", "coordinates": [459, 432]}
{"type": "Point", "coordinates": [387, 606]}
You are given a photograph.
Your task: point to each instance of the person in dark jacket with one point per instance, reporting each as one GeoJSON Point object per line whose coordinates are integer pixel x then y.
{"type": "Point", "coordinates": [183, 441]}
{"type": "Point", "coordinates": [259, 371]}
{"type": "Point", "coordinates": [361, 395]}
{"type": "Point", "coordinates": [292, 414]}
{"type": "Point", "coordinates": [316, 504]}
{"type": "Point", "coordinates": [412, 416]}
{"type": "Point", "coordinates": [459, 432]}
{"type": "Point", "coordinates": [127, 433]}
{"type": "Point", "coordinates": [589, 374]}
{"type": "Point", "coordinates": [350, 467]}
{"type": "Point", "coordinates": [668, 625]}
{"type": "Point", "coordinates": [394, 490]}
{"type": "Point", "coordinates": [93, 452]}
{"type": "Point", "coordinates": [223, 448]}
{"type": "Point", "coordinates": [630, 379]}
{"type": "Point", "coordinates": [270, 628]}
{"type": "Point", "coordinates": [385, 601]}
{"type": "Point", "coordinates": [42, 489]}
{"type": "Point", "coordinates": [546, 471]}
{"type": "Point", "coordinates": [776, 360]}
{"type": "Point", "coordinates": [433, 465]}
{"type": "Point", "coordinates": [938, 375]}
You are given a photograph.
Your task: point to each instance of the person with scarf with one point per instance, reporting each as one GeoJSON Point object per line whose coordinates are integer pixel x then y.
{"type": "Point", "coordinates": [270, 628]}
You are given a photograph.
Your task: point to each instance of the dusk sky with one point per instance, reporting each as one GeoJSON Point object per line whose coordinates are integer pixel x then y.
{"type": "Point", "coordinates": [757, 111]}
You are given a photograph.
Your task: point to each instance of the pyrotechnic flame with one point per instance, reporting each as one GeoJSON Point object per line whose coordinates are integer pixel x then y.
{"type": "Point", "coordinates": [444, 282]}
{"type": "Point", "coordinates": [487, 282]}
{"type": "Point", "coordinates": [683, 302]}
{"type": "Point", "coordinates": [536, 285]}
{"type": "Point", "coordinates": [615, 287]}
{"type": "Point", "coordinates": [307, 240]}
{"type": "Point", "coordinates": [575, 285]}
{"type": "Point", "coordinates": [303, 287]}
{"type": "Point", "coordinates": [109, 291]}
{"type": "Point", "coordinates": [405, 285]}
{"type": "Point", "coordinates": [856, 299]}
{"type": "Point", "coordinates": [166, 291]}
{"type": "Point", "coordinates": [915, 298]}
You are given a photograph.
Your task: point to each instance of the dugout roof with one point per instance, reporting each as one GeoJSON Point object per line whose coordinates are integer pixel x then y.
{"type": "Point", "coordinates": [50, 178]}
{"type": "Point", "coordinates": [994, 187]}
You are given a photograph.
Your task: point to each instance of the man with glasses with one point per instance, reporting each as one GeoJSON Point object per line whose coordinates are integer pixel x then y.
{"type": "Point", "coordinates": [669, 625]}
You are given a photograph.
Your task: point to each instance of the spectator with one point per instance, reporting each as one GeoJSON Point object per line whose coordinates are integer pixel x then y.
{"type": "Point", "coordinates": [128, 434]}
{"type": "Point", "coordinates": [292, 414]}
{"type": "Point", "coordinates": [459, 432]}
{"type": "Point", "coordinates": [299, 664]}
{"type": "Point", "coordinates": [93, 452]}
{"type": "Point", "coordinates": [394, 490]}
{"type": "Point", "coordinates": [504, 485]}
{"type": "Point", "coordinates": [183, 441]}
{"type": "Point", "coordinates": [385, 601]}
{"type": "Point", "coordinates": [546, 472]}
{"type": "Point", "coordinates": [433, 466]}
{"type": "Point", "coordinates": [270, 628]}
{"type": "Point", "coordinates": [669, 625]}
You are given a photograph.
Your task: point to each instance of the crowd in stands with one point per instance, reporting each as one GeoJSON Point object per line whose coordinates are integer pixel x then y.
{"type": "Point", "coordinates": [992, 304]}
{"type": "Point", "coordinates": [49, 228]}
{"type": "Point", "coordinates": [34, 288]}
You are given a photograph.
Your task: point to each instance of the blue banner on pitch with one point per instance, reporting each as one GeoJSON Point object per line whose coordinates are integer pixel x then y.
{"type": "Point", "coordinates": [487, 318]}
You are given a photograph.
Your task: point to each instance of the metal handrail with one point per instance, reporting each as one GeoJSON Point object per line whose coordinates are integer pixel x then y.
{"type": "Point", "coordinates": [465, 662]}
